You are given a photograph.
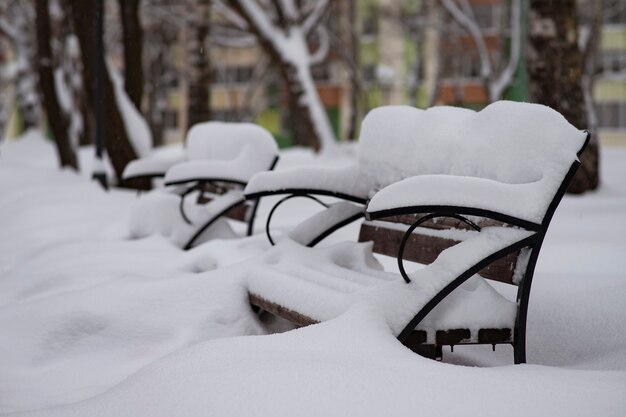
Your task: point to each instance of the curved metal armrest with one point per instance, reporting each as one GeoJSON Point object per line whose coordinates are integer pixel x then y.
{"type": "Point", "coordinates": [454, 211]}
{"type": "Point", "coordinates": [306, 192]}
{"type": "Point", "coordinates": [474, 261]}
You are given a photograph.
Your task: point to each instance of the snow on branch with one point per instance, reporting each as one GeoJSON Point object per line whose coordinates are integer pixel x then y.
{"type": "Point", "coordinates": [323, 45]}
{"type": "Point", "coordinates": [315, 15]}
{"type": "Point", "coordinates": [464, 16]}
{"type": "Point", "coordinates": [471, 26]}
{"type": "Point", "coordinates": [7, 30]}
{"type": "Point", "coordinates": [231, 16]}
{"type": "Point", "coordinates": [505, 78]}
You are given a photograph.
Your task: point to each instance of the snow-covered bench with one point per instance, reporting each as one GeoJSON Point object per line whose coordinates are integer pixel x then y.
{"type": "Point", "coordinates": [466, 192]}
{"type": "Point", "coordinates": [215, 166]}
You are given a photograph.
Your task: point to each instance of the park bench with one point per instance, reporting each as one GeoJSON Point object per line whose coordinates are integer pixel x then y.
{"type": "Point", "coordinates": [215, 166]}
{"type": "Point", "coordinates": [465, 192]}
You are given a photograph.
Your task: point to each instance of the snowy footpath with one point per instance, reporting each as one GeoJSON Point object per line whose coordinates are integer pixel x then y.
{"type": "Point", "coordinates": [94, 323]}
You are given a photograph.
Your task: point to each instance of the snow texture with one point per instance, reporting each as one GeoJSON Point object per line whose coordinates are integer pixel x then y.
{"type": "Point", "coordinates": [509, 157]}
{"type": "Point", "coordinates": [228, 151]}
{"type": "Point", "coordinates": [96, 324]}
{"type": "Point", "coordinates": [311, 228]}
{"type": "Point", "coordinates": [324, 283]}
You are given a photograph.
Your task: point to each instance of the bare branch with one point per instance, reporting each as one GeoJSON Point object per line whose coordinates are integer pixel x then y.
{"type": "Point", "coordinates": [496, 88]}
{"type": "Point", "coordinates": [472, 28]}
{"type": "Point", "coordinates": [230, 16]}
{"type": "Point", "coordinates": [315, 15]}
{"type": "Point", "coordinates": [7, 30]}
{"type": "Point", "coordinates": [322, 49]}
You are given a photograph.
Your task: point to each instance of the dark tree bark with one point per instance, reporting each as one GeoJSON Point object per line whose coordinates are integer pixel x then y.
{"type": "Point", "coordinates": [118, 146]}
{"type": "Point", "coordinates": [199, 108]}
{"type": "Point", "coordinates": [57, 119]}
{"type": "Point", "coordinates": [555, 69]}
{"type": "Point", "coordinates": [132, 36]}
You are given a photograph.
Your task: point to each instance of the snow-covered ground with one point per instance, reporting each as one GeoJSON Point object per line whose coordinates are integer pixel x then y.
{"type": "Point", "coordinates": [93, 323]}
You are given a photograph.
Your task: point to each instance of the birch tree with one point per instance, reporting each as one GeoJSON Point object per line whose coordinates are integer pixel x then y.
{"type": "Point", "coordinates": [283, 29]}
{"type": "Point", "coordinates": [496, 79]}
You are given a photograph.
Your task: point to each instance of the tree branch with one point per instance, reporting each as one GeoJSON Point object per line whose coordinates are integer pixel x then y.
{"type": "Point", "coordinates": [472, 28]}
{"type": "Point", "coordinates": [315, 15]}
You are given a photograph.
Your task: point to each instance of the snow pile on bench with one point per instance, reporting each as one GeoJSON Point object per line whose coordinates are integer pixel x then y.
{"type": "Point", "coordinates": [228, 151]}
{"type": "Point", "coordinates": [507, 142]}
{"type": "Point", "coordinates": [323, 283]}
{"type": "Point", "coordinates": [510, 157]}
{"type": "Point", "coordinates": [216, 141]}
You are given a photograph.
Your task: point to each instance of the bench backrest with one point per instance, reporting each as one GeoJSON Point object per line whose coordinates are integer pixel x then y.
{"type": "Point", "coordinates": [225, 141]}
{"type": "Point", "coordinates": [508, 142]}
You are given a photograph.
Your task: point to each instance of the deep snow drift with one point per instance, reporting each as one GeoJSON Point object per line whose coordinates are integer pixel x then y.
{"type": "Point", "coordinates": [94, 323]}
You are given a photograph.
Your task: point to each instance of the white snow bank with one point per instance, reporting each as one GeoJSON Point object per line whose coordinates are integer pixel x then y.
{"type": "Point", "coordinates": [347, 366]}
{"type": "Point", "coordinates": [158, 212]}
{"type": "Point", "coordinates": [104, 325]}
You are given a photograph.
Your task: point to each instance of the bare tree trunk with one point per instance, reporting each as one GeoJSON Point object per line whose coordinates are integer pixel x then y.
{"type": "Point", "coordinates": [133, 50]}
{"type": "Point", "coordinates": [57, 119]}
{"type": "Point", "coordinates": [199, 108]}
{"type": "Point", "coordinates": [118, 146]}
{"type": "Point", "coordinates": [555, 66]}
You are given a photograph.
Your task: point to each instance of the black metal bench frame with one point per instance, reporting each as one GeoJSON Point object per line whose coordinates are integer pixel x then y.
{"type": "Point", "coordinates": [415, 339]}
{"type": "Point", "coordinates": [198, 184]}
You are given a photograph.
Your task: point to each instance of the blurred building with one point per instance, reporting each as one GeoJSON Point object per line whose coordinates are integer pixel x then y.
{"type": "Point", "coordinates": [393, 52]}
{"type": "Point", "coordinates": [610, 87]}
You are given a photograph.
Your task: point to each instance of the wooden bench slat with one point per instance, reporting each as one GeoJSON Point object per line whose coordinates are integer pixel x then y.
{"type": "Point", "coordinates": [424, 249]}
{"type": "Point", "coordinates": [292, 316]}
{"type": "Point", "coordinates": [441, 223]}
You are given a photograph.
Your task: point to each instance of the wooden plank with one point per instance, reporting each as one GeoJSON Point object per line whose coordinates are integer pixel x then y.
{"type": "Point", "coordinates": [239, 212]}
{"type": "Point", "coordinates": [442, 223]}
{"type": "Point", "coordinates": [493, 336]}
{"type": "Point", "coordinates": [280, 311]}
{"type": "Point", "coordinates": [425, 249]}
{"type": "Point", "coordinates": [452, 337]}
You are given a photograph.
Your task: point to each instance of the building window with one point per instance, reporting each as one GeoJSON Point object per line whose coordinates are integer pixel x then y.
{"type": "Point", "coordinates": [369, 73]}
{"type": "Point", "coordinates": [615, 13]}
{"type": "Point", "coordinates": [612, 115]}
{"type": "Point", "coordinates": [612, 61]}
{"type": "Point", "coordinates": [485, 15]}
{"type": "Point", "coordinates": [321, 72]}
{"type": "Point", "coordinates": [170, 119]}
{"type": "Point", "coordinates": [233, 75]}
{"type": "Point", "coordinates": [230, 115]}
{"type": "Point", "coordinates": [370, 23]}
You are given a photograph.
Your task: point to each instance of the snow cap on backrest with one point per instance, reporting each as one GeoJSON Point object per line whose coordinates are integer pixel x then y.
{"type": "Point", "coordinates": [507, 141]}
{"type": "Point", "coordinates": [225, 141]}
